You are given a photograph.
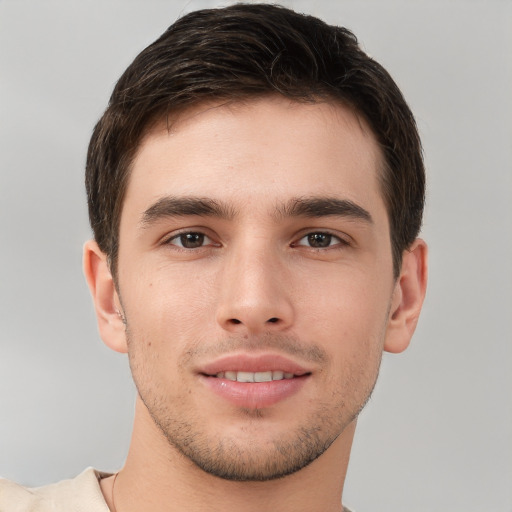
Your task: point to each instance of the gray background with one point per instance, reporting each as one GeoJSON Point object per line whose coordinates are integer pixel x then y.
{"type": "Point", "coordinates": [437, 435]}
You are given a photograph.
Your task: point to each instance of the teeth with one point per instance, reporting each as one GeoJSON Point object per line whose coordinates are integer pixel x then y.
{"type": "Point", "coordinates": [245, 377]}
{"type": "Point", "coordinates": [254, 376]}
{"type": "Point", "coordinates": [263, 377]}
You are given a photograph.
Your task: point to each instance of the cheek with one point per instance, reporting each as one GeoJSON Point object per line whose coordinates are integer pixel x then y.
{"type": "Point", "coordinates": [349, 304]}
{"type": "Point", "coordinates": [354, 340]}
{"type": "Point", "coordinates": [169, 314]}
{"type": "Point", "coordinates": [350, 321]}
{"type": "Point", "coordinates": [168, 298]}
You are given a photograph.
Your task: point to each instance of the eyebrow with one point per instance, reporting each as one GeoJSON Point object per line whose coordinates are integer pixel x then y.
{"type": "Point", "coordinates": [324, 207]}
{"type": "Point", "coordinates": [170, 206]}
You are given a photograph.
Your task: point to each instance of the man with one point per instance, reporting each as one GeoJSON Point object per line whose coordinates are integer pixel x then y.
{"type": "Point", "coordinates": [255, 190]}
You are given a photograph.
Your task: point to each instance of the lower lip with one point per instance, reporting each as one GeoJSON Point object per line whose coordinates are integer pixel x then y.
{"type": "Point", "coordinates": [254, 395]}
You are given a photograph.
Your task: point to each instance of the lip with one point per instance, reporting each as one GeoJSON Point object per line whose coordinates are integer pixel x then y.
{"type": "Point", "coordinates": [253, 363]}
{"type": "Point", "coordinates": [254, 395]}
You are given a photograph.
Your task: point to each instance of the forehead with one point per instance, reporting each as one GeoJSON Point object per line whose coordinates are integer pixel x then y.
{"type": "Point", "coordinates": [258, 151]}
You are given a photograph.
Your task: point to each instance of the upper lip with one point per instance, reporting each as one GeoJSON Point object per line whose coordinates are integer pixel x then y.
{"type": "Point", "coordinates": [253, 363]}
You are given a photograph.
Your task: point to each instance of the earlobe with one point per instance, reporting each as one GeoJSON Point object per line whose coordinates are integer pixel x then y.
{"type": "Point", "coordinates": [408, 298]}
{"type": "Point", "coordinates": [111, 322]}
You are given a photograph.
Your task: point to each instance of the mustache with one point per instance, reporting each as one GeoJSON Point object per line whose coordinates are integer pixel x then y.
{"type": "Point", "coordinates": [284, 344]}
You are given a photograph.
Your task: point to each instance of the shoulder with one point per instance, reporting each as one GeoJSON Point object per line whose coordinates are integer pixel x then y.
{"type": "Point", "coordinates": [80, 494]}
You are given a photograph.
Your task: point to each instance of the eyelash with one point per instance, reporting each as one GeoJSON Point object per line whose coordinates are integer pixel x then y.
{"type": "Point", "coordinates": [331, 237]}
{"type": "Point", "coordinates": [179, 237]}
{"type": "Point", "coordinates": [308, 236]}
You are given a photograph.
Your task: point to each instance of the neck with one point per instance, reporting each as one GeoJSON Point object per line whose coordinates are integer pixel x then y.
{"type": "Point", "coordinates": [157, 477]}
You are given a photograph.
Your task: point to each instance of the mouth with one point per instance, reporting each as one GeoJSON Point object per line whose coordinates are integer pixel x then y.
{"type": "Point", "coordinates": [264, 376]}
{"type": "Point", "coordinates": [263, 367]}
{"type": "Point", "coordinates": [254, 381]}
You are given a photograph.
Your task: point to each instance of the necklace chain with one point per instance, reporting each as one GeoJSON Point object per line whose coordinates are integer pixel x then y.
{"type": "Point", "coordinates": [113, 486]}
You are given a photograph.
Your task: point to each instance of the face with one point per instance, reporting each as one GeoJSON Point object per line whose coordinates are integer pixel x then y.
{"type": "Point", "coordinates": [255, 277]}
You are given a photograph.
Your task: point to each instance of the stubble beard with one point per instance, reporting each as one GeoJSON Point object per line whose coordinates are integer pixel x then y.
{"type": "Point", "coordinates": [248, 460]}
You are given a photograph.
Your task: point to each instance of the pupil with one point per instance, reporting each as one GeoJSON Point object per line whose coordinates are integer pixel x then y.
{"type": "Point", "coordinates": [319, 240]}
{"type": "Point", "coordinates": [192, 240]}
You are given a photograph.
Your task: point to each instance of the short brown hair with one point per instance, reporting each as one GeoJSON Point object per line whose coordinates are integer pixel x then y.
{"type": "Point", "coordinates": [244, 51]}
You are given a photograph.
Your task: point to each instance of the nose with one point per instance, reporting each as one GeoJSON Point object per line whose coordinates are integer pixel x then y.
{"type": "Point", "coordinates": [255, 294]}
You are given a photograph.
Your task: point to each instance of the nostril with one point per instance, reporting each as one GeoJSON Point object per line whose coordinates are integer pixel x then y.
{"type": "Point", "coordinates": [236, 321]}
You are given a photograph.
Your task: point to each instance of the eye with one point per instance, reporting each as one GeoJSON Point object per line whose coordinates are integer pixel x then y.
{"type": "Point", "coordinates": [320, 240]}
{"type": "Point", "coordinates": [190, 240]}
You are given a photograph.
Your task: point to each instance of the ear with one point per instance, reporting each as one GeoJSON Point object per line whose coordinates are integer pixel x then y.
{"type": "Point", "coordinates": [111, 323]}
{"type": "Point", "coordinates": [408, 296]}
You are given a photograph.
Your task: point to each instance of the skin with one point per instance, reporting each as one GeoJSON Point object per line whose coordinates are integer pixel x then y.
{"type": "Point", "coordinates": [260, 277]}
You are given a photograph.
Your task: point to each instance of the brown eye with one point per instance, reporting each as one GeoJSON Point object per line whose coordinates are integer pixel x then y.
{"type": "Point", "coordinates": [190, 240]}
{"type": "Point", "coordinates": [319, 240]}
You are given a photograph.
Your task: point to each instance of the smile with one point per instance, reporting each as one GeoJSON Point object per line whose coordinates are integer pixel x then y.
{"type": "Point", "coordinates": [266, 376]}
{"type": "Point", "coordinates": [254, 381]}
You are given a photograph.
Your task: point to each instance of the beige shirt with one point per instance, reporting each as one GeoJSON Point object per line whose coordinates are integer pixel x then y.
{"type": "Point", "coordinates": [80, 494]}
